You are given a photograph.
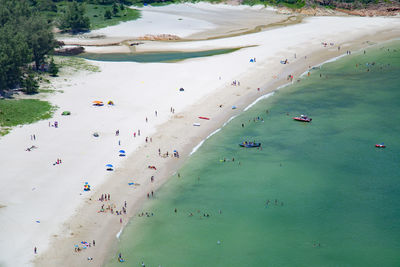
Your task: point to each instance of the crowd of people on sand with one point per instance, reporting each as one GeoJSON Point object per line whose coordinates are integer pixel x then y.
{"type": "Point", "coordinates": [59, 161]}
{"type": "Point", "coordinates": [55, 124]}
{"type": "Point", "coordinates": [84, 245]}
{"type": "Point", "coordinates": [151, 194]}
{"type": "Point", "coordinates": [235, 83]}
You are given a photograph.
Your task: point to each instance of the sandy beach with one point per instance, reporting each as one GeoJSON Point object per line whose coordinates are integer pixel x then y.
{"type": "Point", "coordinates": [43, 204]}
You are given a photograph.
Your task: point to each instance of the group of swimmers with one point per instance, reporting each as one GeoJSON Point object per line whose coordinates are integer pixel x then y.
{"type": "Point", "coordinates": [146, 214]}
{"type": "Point", "coordinates": [276, 203]}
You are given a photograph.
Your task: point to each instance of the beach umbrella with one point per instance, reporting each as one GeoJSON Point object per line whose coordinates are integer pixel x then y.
{"type": "Point", "coordinates": [122, 151]}
{"type": "Point", "coordinates": [97, 102]}
{"type": "Point", "coordinates": [65, 113]}
{"type": "Point", "coordinates": [109, 165]}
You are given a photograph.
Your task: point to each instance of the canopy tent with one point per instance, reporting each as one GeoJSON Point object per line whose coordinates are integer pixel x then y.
{"type": "Point", "coordinates": [109, 167]}
{"type": "Point", "coordinates": [98, 103]}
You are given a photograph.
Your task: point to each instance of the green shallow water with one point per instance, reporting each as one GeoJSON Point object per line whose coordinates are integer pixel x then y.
{"type": "Point", "coordinates": [337, 196]}
{"type": "Point", "coordinates": [154, 57]}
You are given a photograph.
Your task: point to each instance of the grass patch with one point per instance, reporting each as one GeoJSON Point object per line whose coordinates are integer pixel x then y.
{"type": "Point", "coordinates": [75, 64]}
{"type": "Point", "coordinates": [97, 20]}
{"type": "Point", "coordinates": [4, 130]}
{"type": "Point", "coordinates": [23, 111]}
{"type": "Point", "coordinates": [96, 14]}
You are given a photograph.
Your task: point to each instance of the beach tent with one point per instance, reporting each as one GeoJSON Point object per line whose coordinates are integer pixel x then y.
{"type": "Point", "coordinates": [65, 113]}
{"type": "Point", "coordinates": [122, 151]}
{"type": "Point", "coordinates": [251, 60]}
{"type": "Point", "coordinates": [110, 103]}
{"type": "Point", "coordinates": [96, 134]}
{"type": "Point", "coordinates": [98, 103]}
{"type": "Point", "coordinates": [181, 89]}
{"type": "Point", "coordinates": [109, 167]}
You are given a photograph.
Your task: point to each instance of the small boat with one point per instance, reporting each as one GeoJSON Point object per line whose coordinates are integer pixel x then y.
{"type": "Point", "coordinates": [204, 118]}
{"type": "Point", "coordinates": [196, 124]}
{"type": "Point", "coordinates": [249, 144]}
{"type": "Point", "coordinates": [381, 145]}
{"type": "Point", "coordinates": [304, 118]}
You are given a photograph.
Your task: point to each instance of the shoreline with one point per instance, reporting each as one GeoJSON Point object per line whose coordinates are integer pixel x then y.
{"type": "Point", "coordinates": [169, 168]}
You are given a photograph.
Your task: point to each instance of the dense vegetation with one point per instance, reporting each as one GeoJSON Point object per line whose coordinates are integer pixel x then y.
{"type": "Point", "coordinates": [27, 41]}
{"type": "Point", "coordinates": [25, 37]}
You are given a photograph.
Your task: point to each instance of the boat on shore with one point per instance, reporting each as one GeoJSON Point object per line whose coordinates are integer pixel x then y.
{"type": "Point", "coordinates": [303, 118]}
{"type": "Point", "coordinates": [249, 144]}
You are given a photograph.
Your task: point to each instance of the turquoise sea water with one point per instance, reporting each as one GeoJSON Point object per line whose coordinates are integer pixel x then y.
{"type": "Point", "coordinates": [333, 197]}
{"type": "Point", "coordinates": [154, 57]}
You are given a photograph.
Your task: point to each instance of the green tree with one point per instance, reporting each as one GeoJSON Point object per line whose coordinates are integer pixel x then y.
{"type": "Point", "coordinates": [115, 9]}
{"type": "Point", "coordinates": [40, 38]}
{"type": "Point", "coordinates": [14, 54]}
{"type": "Point", "coordinates": [74, 18]}
{"type": "Point", "coordinates": [25, 36]}
{"type": "Point", "coordinates": [107, 14]}
{"type": "Point", "coordinates": [53, 68]}
{"type": "Point", "coordinates": [46, 5]}
{"type": "Point", "coordinates": [30, 83]}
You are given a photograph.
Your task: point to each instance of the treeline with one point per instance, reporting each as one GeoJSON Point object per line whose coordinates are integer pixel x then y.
{"type": "Point", "coordinates": [25, 41]}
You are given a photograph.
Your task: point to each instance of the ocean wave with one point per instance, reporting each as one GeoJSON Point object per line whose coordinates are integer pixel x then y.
{"type": "Point", "coordinates": [202, 141]}
{"type": "Point", "coordinates": [119, 233]}
{"type": "Point", "coordinates": [258, 99]}
{"type": "Point", "coordinates": [320, 64]}
{"type": "Point", "coordinates": [197, 147]}
{"type": "Point", "coordinates": [228, 121]}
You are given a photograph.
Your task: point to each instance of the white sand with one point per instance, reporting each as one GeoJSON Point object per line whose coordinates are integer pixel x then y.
{"type": "Point", "coordinates": [33, 189]}
{"type": "Point", "coordinates": [194, 21]}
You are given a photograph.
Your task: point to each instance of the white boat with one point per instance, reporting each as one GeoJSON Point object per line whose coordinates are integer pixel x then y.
{"type": "Point", "coordinates": [196, 124]}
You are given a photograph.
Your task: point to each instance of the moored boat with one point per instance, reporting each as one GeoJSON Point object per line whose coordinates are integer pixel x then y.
{"type": "Point", "coordinates": [249, 144]}
{"type": "Point", "coordinates": [381, 145]}
{"type": "Point", "coordinates": [304, 118]}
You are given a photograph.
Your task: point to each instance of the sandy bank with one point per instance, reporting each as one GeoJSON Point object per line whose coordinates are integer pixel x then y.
{"type": "Point", "coordinates": [187, 21]}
